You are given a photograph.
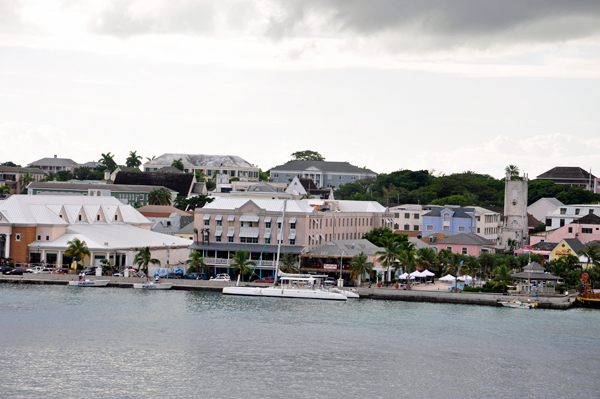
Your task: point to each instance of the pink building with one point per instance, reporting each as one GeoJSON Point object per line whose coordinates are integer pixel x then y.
{"type": "Point", "coordinates": [227, 225]}
{"type": "Point", "coordinates": [585, 229]}
{"type": "Point", "coordinates": [467, 244]}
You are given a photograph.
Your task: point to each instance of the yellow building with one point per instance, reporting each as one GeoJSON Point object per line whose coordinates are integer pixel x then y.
{"type": "Point", "coordinates": [568, 246]}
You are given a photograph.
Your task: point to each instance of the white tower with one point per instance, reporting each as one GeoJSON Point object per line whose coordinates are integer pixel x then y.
{"type": "Point", "coordinates": [514, 229]}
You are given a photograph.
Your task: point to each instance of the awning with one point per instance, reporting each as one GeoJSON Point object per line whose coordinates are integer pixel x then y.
{"type": "Point", "coordinates": [267, 233]}
{"type": "Point", "coordinates": [206, 217]}
{"type": "Point", "coordinates": [279, 219]}
{"type": "Point", "coordinates": [268, 219]}
{"type": "Point", "coordinates": [292, 235]}
{"type": "Point", "coordinates": [218, 233]}
{"type": "Point", "coordinates": [231, 232]}
{"type": "Point", "coordinates": [249, 232]}
{"type": "Point", "coordinates": [219, 217]}
{"type": "Point", "coordinates": [292, 220]}
{"type": "Point", "coordinates": [231, 217]}
{"type": "Point", "coordinates": [249, 218]}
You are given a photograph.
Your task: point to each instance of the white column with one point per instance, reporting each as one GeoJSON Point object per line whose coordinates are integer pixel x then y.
{"type": "Point", "coordinates": [43, 256]}
{"type": "Point", "coordinates": [59, 259]}
{"type": "Point", "coordinates": [91, 259]}
{"type": "Point", "coordinates": [7, 249]}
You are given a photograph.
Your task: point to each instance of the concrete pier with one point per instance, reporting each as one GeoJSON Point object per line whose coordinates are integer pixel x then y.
{"type": "Point", "coordinates": [464, 298]}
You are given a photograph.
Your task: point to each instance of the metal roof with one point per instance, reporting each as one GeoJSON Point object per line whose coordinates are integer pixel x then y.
{"type": "Point", "coordinates": [269, 205]}
{"type": "Point", "coordinates": [323, 166]}
{"type": "Point", "coordinates": [202, 160]}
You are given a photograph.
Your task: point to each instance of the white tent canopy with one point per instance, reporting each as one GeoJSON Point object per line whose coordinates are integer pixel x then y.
{"type": "Point", "coordinates": [447, 277]}
{"type": "Point", "coordinates": [416, 274]}
{"type": "Point", "coordinates": [405, 276]}
{"type": "Point", "coordinates": [427, 273]}
{"type": "Point", "coordinates": [465, 278]}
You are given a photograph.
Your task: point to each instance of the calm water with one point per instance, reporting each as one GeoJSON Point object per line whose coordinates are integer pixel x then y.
{"type": "Point", "coordinates": [68, 342]}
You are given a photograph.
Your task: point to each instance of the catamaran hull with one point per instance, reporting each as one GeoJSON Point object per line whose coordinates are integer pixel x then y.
{"type": "Point", "coordinates": [153, 286]}
{"type": "Point", "coordinates": [284, 293]}
{"type": "Point", "coordinates": [349, 294]}
{"type": "Point", "coordinates": [89, 283]}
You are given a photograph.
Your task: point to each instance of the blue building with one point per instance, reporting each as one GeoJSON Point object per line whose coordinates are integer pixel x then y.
{"type": "Point", "coordinates": [448, 220]}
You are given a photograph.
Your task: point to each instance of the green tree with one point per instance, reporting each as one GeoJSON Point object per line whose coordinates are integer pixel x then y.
{"type": "Point", "coordinates": [591, 252]}
{"type": "Point", "coordinates": [105, 264]}
{"type": "Point", "coordinates": [381, 235]}
{"type": "Point", "coordinates": [408, 261]}
{"type": "Point", "coordinates": [200, 176]}
{"type": "Point", "coordinates": [241, 263]}
{"type": "Point", "coordinates": [143, 258]}
{"type": "Point", "coordinates": [360, 266]}
{"type": "Point", "coordinates": [487, 262]}
{"type": "Point", "coordinates": [289, 263]}
{"type": "Point", "coordinates": [133, 160]}
{"type": "Point", "coordinates": [502, 277]}
{"type": "Point", "coordinates": [189, 204]}
{"type": "Point", "coordinates": [178, 163]}
{"type": "Point", "coordinates": [4, 190]}
{"type": "Point", "coordinates": [306, 156]}
{"type": "Point", "coordinates": [10, 163]}
{"type": "Point", "coordinates": [427, 258]}
{"type": "Point", "coordinates": [391, 252]}
{"type": "Point", "coordinates": [25, 180]}
{"type": "Point", "coordinates": [263, 176]}
{"type": "Point", "coordinates": [64, 175]}
{"type": "Point", "coordinates": [196, 263]}
{"type": "Point", "coordinates": [78, 250]}
{"type": "Point", "coordinates": [454, 265]}
{"type": "Point", "coordinates": [161, 196]}
{"type": "Point", "coordinates": [87, 173]}
{"type": "Point", "coordinates": [108, 161]}
{"type": "Point", "coordinates": [512, 170]}
{"type": "Point", "coordinates": [472, 267]}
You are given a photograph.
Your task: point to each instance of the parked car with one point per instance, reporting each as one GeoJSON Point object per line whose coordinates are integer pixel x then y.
{"type": "Point", "coordinates": [221, 277]}
{"type": "Point", "coordinates": [16, 272]}
{"type": "Point", "coordinates": [34, 269]}
{"type": "Point", "coordinates": [44, 270]}
{"type": "Point", "coordinates": [175, 275]}
{"type": "Point", "coordinates": [329, 282]}
{"type": "Point", "coordinates": [90, 270]}
{"type": "Point", "coordinates": [196, 276]}
{"type": "Point", "coordinates": [5, 269]}
{"type": "Point", "coordinates": [270, 280]}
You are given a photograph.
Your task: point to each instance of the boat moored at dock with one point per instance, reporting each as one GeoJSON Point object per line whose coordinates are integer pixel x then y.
{"type": "Point", "coordinates": [89, 283]}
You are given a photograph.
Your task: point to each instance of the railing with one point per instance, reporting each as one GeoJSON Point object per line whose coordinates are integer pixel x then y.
{"type": "Point", "coordinates": [227, 262]}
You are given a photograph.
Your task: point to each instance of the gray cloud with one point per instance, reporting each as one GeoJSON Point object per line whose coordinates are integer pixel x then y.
{"type": "Point", "coordinates": [429, 23]}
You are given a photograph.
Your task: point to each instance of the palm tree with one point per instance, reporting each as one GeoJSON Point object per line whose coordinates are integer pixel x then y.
{"type": "Point", "coordinates": [77, 250]}
{"type": "Point", "coordinates": [178, 163]}
{"type": "Point", "coordinates": [591, 252]}
{"type": "Point", "coordinates": [391, 252]}
{"type": "Point", "coordinates": [108, 161]}
{"type": "Point", "coordinates": [133, 160]}
{"type": "Point", "coordinates": [502, 277]}
{"type": "Point", "coordinates": [472, 266]}
{"type": "Point", "coordinates": [196, 234]}
{"type": "Point", "coordinates": [427, 258]}
{"type": "Point", "coordinates": [455, 262]}
{"type": "Point", "coordinates": [161, 196]}
{"type": "Point", "coordinates": [444, 258]}
{"type": "Point", "coordinates": [360, 266]}
{"type": "Point", "coordinates": [512, 170]}
{"type": "Point", "coordinates": [241, 263]}
{"type": "Point", "coordinates": [143, 258]}
{"type": "Point", "coordinates": [196, 262]}
{"type": "Point", "coordinates": [205, 233]}
{"type": "Point", "coordinates": [151, 159]}
{"type": "Point", "coordinates": [25, 180]}
{"type": "Point", "coordinates": [289, 263]}
{"type": "Point", "coordinates": [408, 261]}
{"type": "Point", "coordinates": [4, 190]}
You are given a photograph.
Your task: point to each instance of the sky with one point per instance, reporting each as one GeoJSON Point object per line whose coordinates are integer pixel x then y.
{"type": "Point", "coordinates": [447, 86]}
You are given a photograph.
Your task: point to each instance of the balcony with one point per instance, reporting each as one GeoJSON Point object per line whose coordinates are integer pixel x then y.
{"type": "Point", "coordinates": [224, 262]}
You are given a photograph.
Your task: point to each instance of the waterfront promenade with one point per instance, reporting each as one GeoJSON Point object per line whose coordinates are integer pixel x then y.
{"type": "Point", "coordinates": [437, 293]}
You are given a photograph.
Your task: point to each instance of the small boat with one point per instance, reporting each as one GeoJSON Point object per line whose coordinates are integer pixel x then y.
{"type": "Point", "coordinates": [351, 293]}
{"type": "Point", "coordinates": [518, 304]}
{"type": "Point", "coordinates": [89, 283]}
{"type": "Point", "coordinates": [150, 285]}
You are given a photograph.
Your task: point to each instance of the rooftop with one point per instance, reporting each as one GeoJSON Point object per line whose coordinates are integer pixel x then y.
{"type": "Point", "coordinates": [566, 173]}
{"type": "Point", "coordinates": [202, 161]}
{"type": "Point", "coordinates": [325, 166]}
{"type": "Point", "coordinates": [55, 162]}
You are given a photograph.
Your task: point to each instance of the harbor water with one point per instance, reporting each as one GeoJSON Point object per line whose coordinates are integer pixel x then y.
{"type": "Point", "coordinates": [70, 342]}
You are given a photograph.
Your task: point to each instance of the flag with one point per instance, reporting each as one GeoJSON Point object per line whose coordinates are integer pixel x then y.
{"type": "Point", "coordinates": [527, 248]}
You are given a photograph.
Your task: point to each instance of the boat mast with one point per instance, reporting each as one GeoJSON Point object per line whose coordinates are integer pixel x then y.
{"type": "Point", "coordinates": [279, 242]}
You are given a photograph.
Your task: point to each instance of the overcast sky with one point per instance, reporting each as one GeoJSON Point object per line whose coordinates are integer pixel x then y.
{"type": "Point", "coordinates": [387, 84]}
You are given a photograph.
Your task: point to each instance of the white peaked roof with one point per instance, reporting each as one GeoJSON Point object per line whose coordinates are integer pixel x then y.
{"type": "Point", "coordinates": [108, 237]}
{"type": "Point", "coordinates": [34, 210]}
{"type": "Point", "coordinates": [361, 206]}
{"type": "Point", "coordinates": [269, 205]}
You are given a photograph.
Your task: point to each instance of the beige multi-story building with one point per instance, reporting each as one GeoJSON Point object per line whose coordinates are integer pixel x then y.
{"type": "Point", "coordinates": [227, 225]}
{"type": "Point", "coordinates": [210, 165]}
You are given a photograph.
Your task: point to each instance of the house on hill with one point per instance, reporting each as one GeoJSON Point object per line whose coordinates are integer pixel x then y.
{"type": "Point", "coordinates": [323, 173]}
{"type": "Point", "coordinates": [467, 244]}
{"type": "Point", "coordinates": [585, 229]}
{"type": "Point", "coordinates": [571, 176]}
{"type": "Point", "coordinates": [10, 177]}
{"type": "Point", "coordinates": [210, 165]}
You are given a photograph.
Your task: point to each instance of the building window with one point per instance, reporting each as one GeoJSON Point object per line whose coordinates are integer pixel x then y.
{"type": "Point", "coordinates": [397, 215]}
{"type": "Point", "coordinates": [431, 239]}
{"type": "Point", "coordinates": [416, 227]}
{"type": "Point", "coordinates": [47, 238]}
{"type": "Point", "coordinates": [478, 230]}
{"type": "Point", "coordinates": [292, 241]}
{"type": "Point", "coordinates": [275, 174]}
{"type": "Point", "coordinates": [586, 230]}
{"type": "Point", "coordinates": [231, 222]}
{"type": "Point", "coordinates": [219, 223]}
{"type": "Point", "coordinates": [218, 238]}
{"type": "Point", "coordinates": [416, 215]}
{"type": "Point", "coordinates": [18, 237]}
{"type": "Point", "coordinates": [563, 211]}
{"type": "Point", "coordinates": [577, 211]}
{"type": "Point", "coordinates": [548, 222]}
{"type": "Point", "coordinates": [116, 217]}
{"type": "Point", "coordinates": [396, 226]}
{"type": "Point", "coordinates": [570, 229]}
{"type": "Point", "coordinates": [39, 238]}
{"type": "Point", "coordinates": [293, 225]}
{"type": "Point", "coordinates": [461, 229]}
{"type": "Point", "coordinates": [446, 217]}
{"type": "Point", "coordinates": [446, 229]}
{"type": "Point", "coordinates": [407, 216]}
{"type": "Point", "coordinates": [562, 222]}
{"type": "Point", "coordinates": [79, 217]}
{"type": "Point", "coordinates": [429, 227]}
{"type": "Point", "coordinates": [230, 239]}
{"type": "Point", "coordinates": [406, 227]}
{"type": "Point", "coordinates": [268, 240]}
{"type": "Point", "coordinates": [464, 250]}
{"type": "Point", "coordinates": [268, 225]}
{"type": "Point", "coordinates": [207, 222]}
{"type": "Point", "coordinates": [97, 217]}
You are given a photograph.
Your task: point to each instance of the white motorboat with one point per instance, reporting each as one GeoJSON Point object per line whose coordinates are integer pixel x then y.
{"type": "Point", "coordinates": [151, 285]}
{"type": "Point", "coordinates": [351, 293]}
{"type": "Point", "coordinates": [518, 304]}
{"type": "Point", "coordinates": [304, 286]}
{"type": "Point", "coordinates": [89, 283]}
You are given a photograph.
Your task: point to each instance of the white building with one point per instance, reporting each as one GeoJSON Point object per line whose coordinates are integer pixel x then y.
{"type": "Point", "coordinates": [566, 214]}
{"type": "Point", "coordinates": [543, 207]}
{"type": "Point", "coordinates": [210, 165]}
